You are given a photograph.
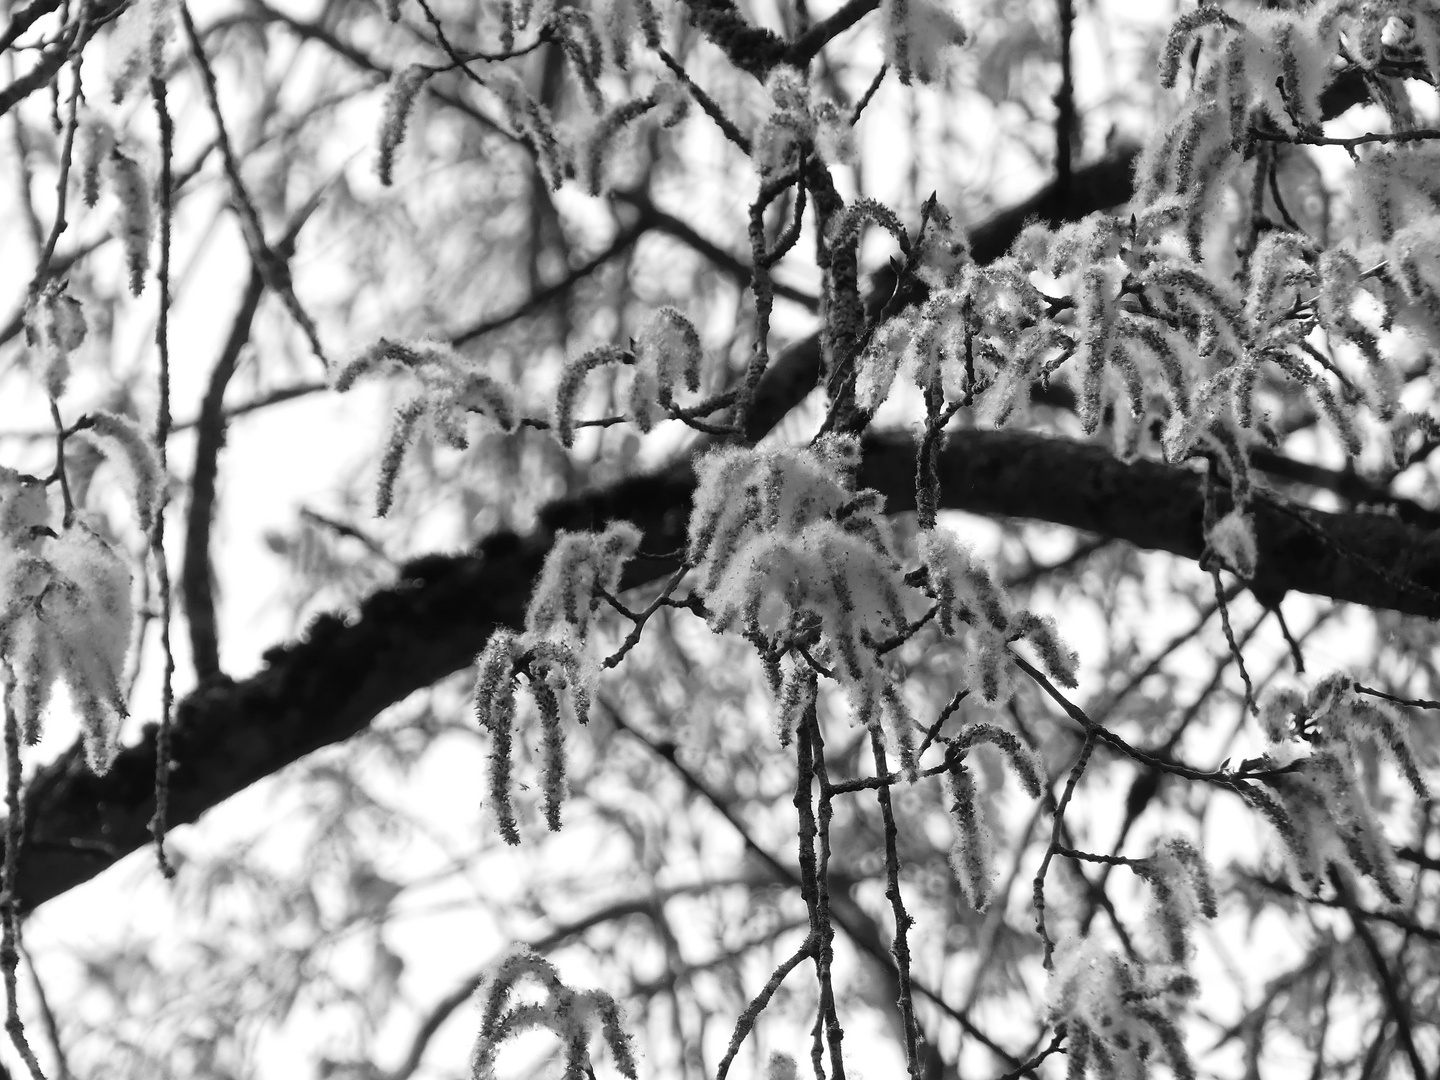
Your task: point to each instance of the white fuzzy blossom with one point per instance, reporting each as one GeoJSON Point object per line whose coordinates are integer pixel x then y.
{"type": "Point", "coordinates": [799, 122]}
{"type": "Point", "coordinates": [1119, 1015]}
{"type": "Point", "coordinates": [971, 858]}
{"type": "Point", "coordinates": [568, 1014]}
{"type": "Point", "coordinates": [127, 447]}
{"type": "Point", "coordinates": [400, 97]}
{"type": "Point", "coordinates": [136, 213]}
{"type": "Point", "coordinates": [137, 47]}
{"type": "Point", "coordinates": [555, 656]}
{"type": "Point", "coordinates": [572, 386]}
{"type": "Point", "coordinates": [1316, 798]}
{"type": "Point", "coordinates": [667, 357]}
{"type": "Point", "coordinates": [971, 607]}
{"type": "Point", "coordinates": [918, 34]}
{"type": "Point", "coordinates": [788, 553]}
{"type": "Point", "coordinates": [94, 139]}
{"type": "Point", "coordinates": [65, 615]}
{"type": "Point", "coordinates": [1233, 539]}
{"type": "Point", "coordinates": [452, 388]}
{"type": "Point", "coordinates": [1181, 893]}
{"type": "Point", "coordinates": [54, 328]}
{"type": "Point", "coordinates": [972, 844]}
{"type": "Point", "coordinates": [533, 124]}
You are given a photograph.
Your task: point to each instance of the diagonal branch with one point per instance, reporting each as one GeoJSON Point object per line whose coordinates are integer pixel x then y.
{"type": "Point", "coordinates": [330, 685]}
{"type": "Point", "coordinates": [195, 573]}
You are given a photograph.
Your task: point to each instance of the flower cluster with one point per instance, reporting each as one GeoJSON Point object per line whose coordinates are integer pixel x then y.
{"type": "Point", "coordinates": [972, 849]}
{"type": "Point", "coordinates": [1119, 1015]}
{"type": "Point", "coordinates": [554, 654]}
{"type": "Point", "coordinates": [451, 388]}
{"type": "Point", "coordinates": [1180, 890]}
{"type": "Point", "coordinates": [400, 94]}
{"type": "Point", "coordinates": [665, 358]}
{"type": "Point", "coordinates": [1264, 71]}
{"type": "Point", "coordinates": [65, 614]}
{"type": "Point", "coordinates": [569, 1014]}
{"type": "Point", "coordinates": [137, 51]}
{"type": "Point", "coordinates": [970, 605]}
{"type": "Point", "coordinates": [54, 328]}
{"type": "Point", "coordinates": [1146, 337]}
{"type": "Point", "coordinates": [1315, 798]}
{"type": "Point", "coordinates": [787, 552]}
{"type": "Point", "coordinates": [918, 33]}
{"type": "Point", "coordinates": [798, 124]}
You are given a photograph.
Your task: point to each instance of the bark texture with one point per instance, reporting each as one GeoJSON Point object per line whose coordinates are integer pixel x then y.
{"type": "Point", "coordinates": [331, 684]}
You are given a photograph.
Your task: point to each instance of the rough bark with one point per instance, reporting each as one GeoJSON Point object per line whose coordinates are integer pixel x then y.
{"type": "Point", "coordinates": [331, 684]}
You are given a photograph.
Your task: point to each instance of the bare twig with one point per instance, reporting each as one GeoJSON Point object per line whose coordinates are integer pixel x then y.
{"type": "Point", "coordinates": [162, 438]}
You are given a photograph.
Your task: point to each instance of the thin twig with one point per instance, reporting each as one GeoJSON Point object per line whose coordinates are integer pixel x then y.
{"type": "Point", "coordinates": [195, 572]}
{"type": "Point", "coordinates": [848, 916]}
{"type": "Point", "coordinates": [47, 1014]}
{"type": "Point", "coordinates": [1414, 703]}
{"type": "Point", "coordinates": [162, 436]}
{"type": "Point", "coordinates": [1224, 607]}
{"type": "Point", "coordinates": [1065, 118]}
{"type": "Point", "coordinates": [706, 102]}
{"type": "Point", "coordinates": [273, 267]}
{"type": "Point", "coordinates": [1394, 1000]}
{"type": "Point", "coordinates": [9, 900]}
{"type": "Point", "coordinates": [1307, 138]}
{"type": "Point", "coordinates": [1076, 771]}
{"type": "Point", "coordinates": [900, 945]}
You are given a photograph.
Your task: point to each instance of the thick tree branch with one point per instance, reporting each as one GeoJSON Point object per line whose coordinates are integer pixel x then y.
{"type": "Point", "coordinates": [329, 686]}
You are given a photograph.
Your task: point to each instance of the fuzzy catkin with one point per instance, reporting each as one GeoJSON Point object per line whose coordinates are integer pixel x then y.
{"type": "Point", "coordinates": [400, 97]}
{"type": "Point", "coordinates": [137, 219]}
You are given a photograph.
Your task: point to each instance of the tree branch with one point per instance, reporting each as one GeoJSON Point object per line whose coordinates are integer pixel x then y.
{"type": "Point", "coordinates": [329, 686]}
{"type": "Point", "coordinates": [209, 439]}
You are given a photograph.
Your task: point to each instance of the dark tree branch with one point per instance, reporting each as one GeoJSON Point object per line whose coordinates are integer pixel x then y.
{"type": "Point", "coordinates": [1066, 121]}
{"type": "Point", "coordinates": [330, 685]}
{"type": "Point", "coordinates": [750, 48]}
{"type": "Point", "coordinates": [210, 426]}
{"type": "Point", "coordinates": [808, 45]}
{"type": "Point", "coordinates": [23, 19]}
{"type": "Point", "coordinates": [52, 59]}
